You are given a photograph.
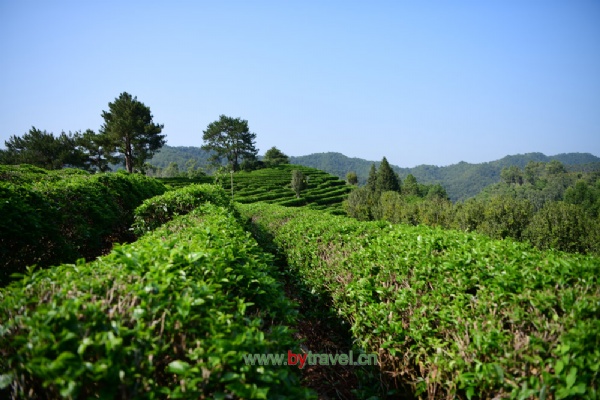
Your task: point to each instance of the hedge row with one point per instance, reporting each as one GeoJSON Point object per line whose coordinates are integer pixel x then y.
{"type": "Point", "coordinates": [50, 221]}
{"type": "Point", "coordinates": [157, 210]}
{"type": "Point", "coordinates": [451, 314]}
{"type": "Point", "coordinates": [169, 316]}
{"type": "Point", "coordinates": [26, 173]}
{"type": "Point", "coordinates": [273, 185]}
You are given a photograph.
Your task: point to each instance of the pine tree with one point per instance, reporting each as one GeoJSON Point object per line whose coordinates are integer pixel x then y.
{"type": "Point", "coordinates": [410, 186]}
{"type": "Point", "coordinates": [274, 157]}
{"type": "Point", "coordinates": [372, 179]}
{"type": "Point", "coordinates": [231, 138]}
{"type": "Point", "coordinates": [387, 178]}
{"type": "Point", "coordinates": [130, 132]}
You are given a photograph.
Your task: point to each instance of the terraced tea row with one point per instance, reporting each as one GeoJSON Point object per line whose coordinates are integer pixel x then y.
{"type": "Point", "coordinates": [450, 314]}
{"type": "Point", "coordinates": [272, 185]}
{"type": "Point", "coordinates": [50, 217]}
{"type": "Point", "coordinates": [169, 316]}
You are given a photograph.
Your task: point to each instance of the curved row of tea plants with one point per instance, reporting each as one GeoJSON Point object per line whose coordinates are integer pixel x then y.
{"type": "Point", "coordinates": [26, 173]}
{"type": "Point", "coordinates": [54, 217]}
{"type": "Point", "coordinates": [169, 316]}
{"type": "Point", "coordinates": [451, 314]}
{"type": "Point", "coordinates": [155, 211]}
{"type": "Point", "coordinates": [272, 185]}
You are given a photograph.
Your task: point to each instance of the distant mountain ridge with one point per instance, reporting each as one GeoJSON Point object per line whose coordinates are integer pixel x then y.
{"type": "Point", "coordinates": [461, 181]}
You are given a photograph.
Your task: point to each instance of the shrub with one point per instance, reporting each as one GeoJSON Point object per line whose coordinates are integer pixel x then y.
{"type": "Point", "coordinates": [169, 316]}
{"type": "Point", "coordinates": [452, 314]}
{"type": "Point", "coordinates": [50, 221]}
{"type": "Point", "coordinates": [157, 210]}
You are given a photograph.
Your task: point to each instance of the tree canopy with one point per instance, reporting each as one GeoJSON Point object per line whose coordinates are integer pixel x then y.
{"type": "Point", "coordinates": [274, 156]}
{"type": "Point", "coordinates": [352, 178]}
{"type": "Point", "coordinates": [230, 138]}
{"type": "Point", "coordinates": [129, 132]}
{"type": "Point", "coordinates": [387, 178]}
{"type": "Point", "coordinates": [43, 149]}
{"type": "Point", "coordinates": [372, 179]}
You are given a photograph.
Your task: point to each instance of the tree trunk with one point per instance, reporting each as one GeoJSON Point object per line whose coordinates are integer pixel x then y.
{"type": "Point", "coordinates": [128, 160]}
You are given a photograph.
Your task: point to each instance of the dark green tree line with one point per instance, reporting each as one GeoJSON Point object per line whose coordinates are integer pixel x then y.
{"type": "Point", "coordinates": [543, 204]}
{"type": "Point", "coordinates": [44, 150]}
{"type": "Point", "coordinates": [128, 136]}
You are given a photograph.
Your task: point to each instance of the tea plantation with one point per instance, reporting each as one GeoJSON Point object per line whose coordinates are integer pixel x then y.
{"type": "Point", "coordinates": [171, 315]}
{"type": "Point", "coordinates": [450, 314]}
{"type": "Point", "coordinates": [272, 185]}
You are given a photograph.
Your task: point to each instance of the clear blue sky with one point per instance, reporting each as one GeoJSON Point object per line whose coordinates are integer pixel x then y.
{"type": "Point", "coordinates": [435, 82]}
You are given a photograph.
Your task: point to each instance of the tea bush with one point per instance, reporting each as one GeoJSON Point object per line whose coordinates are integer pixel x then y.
{"type": "Point", "coordinates": [273, 185]}
{"type": "Point", "coordinates": [54, 217]}
{"type": "Point", "coordinates": [157, 210]}
{"type": "Point", "coordinates": [451, 314]}
{"type": "Point", "coordinates": [169, 316]}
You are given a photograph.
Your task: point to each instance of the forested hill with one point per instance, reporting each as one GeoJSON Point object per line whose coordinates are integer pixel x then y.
{"type": "Point", "coordinates": [179, 155]}
{"type": "Point", "coordinates": [461, 181]}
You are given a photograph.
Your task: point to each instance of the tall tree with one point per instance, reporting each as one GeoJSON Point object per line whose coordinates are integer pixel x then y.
{"type": "Point", "coordinates": [410, 187]}
{"type": "Point", "coordinates": [230, 138]}
{"type": "Point", "coordinates": [372, 179]}
{"type": "Point", "coordinates": [130, 134]}
{"type": "Point", "coordinates": [387, 178]}
{"type": "Point", "coordinates": [274, 157]}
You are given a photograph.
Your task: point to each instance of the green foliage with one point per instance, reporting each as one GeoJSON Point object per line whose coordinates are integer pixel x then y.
{"type": "Point", "coordinates": [230, 138]}
{"type": "Point", "coordinates": [169, 316]}
{"type": "Point", "coordinates": [299, 182]}
{"type": "Point", "coordinates": [498, 213]}
{"type": "Point", "coordinates": [436, 191]}
{"type": "Point", "coordinates": [469, 215]}
{"type": "Point", "coordinates": [171, 171]}
{"type": "Point", "coordinates": [130, 135]}
{"type": "Point", "coordinates": [539, 183]}
{"type": "Point", "coordinates": [410, 186]}
{"type": "Point", "coordinates": [372, 179]}
{"type": "Point", "coordinates": [564, 226]}
{"type": "Point", "coordinates": [272, 185]}
{"type": "Point", "coordinates": [360, 203]}
{"type": "Point", "coordinates": [351, 178]}
{"type": "Point", "coordinates": [586, 195]}
{"type": "Point", "coordinates": [94, 148]}
{"type": "Point", "coordinates": [53, 217]}
{"type": "Point", "coordinates": [44, 150]}
{"type": "Point", "coordinates": [452, 314]}
{"type": "Point", "coordinates": [274, 157]}
{"type": "Point", "coordinates": [505, 216]}
{"type": "Point", "coordinates": [387, 178]}
{"type": "Point", "coordinates": [155, 211]}
{"type": "Point", "coordinates": [512, 175]}
{"type": "Point", "coordinates": [462, 180]}
{"type": "Point", "coordinates": [180, 155]}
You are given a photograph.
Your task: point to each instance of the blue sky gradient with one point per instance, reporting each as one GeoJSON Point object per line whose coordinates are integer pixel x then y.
{"type": "Point", "coordinates": [434, 82]}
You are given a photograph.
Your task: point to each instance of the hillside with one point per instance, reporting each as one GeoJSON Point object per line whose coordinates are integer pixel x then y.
{"type": "Point", "coordinates": [461, 181]}
{"type": "Point", "coordinates": [272, 185]}
{"type": "Point", "coordinates": [179, 155]}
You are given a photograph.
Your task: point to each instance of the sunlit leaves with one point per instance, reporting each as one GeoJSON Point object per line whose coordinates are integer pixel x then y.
{"type": "Point", "coordinates": [455, 314]}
